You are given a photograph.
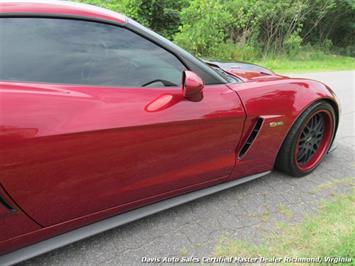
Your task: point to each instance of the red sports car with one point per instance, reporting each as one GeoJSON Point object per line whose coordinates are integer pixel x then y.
{"type": "Point", "coordinates": [103, 121]}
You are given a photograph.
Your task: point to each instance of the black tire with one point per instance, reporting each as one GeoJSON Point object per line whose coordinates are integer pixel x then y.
{"type": "Point", "coordinates": [286, 160]}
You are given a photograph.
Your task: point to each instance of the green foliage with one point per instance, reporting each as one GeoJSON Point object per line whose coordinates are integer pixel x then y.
{"type": "Point", "coordinates": [292, 44]}
{"type": "Point", "coordinates": [257, 28]}
{"type": "Point", "coordinates": [336, 23]}
{"type": "Point", "coordinates": [247, 29]}
{"type": "Point", "coordinates": [161, 16]}
{"type": "Point", "coordinates": [118, 6]}
{"type": "Point", "coordinates": [203, 27]}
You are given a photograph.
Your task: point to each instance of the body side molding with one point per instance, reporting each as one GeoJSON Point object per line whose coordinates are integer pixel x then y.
{"type": "Point", "coordinates": [115, 221]}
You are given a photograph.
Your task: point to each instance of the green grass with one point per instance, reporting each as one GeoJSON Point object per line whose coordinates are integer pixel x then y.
{"type": "Point", "coordinates": [285, 211]}
{"type": "Point", "coordinates": [306, 64]}
{"type": "Point", "coordinates": [329, 234]}
{"type": "Point", "coordinates": [349, 181]}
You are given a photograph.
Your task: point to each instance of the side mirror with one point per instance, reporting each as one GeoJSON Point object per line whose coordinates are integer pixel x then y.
{"type": "Point", "coordinates": [192, 86]}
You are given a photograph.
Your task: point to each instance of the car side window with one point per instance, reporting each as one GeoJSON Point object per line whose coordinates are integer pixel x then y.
{"type": "Point", "coordinates": [68, 51]}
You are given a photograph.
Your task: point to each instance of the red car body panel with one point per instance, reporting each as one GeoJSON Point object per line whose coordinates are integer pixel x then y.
{"type": "Point", "coordinates": [67, 149]}
{"type": "Point", "coordinates": [14, 223]}
{"type": "Point", "coordinates": [276, 100]}
{"type": "Point", "coordinates": [61, 140]}
{"type": "Point", "coordinates": [72, 155]}
{"type": "Point", "coordinates": [249, 75]}
{"type": "Point", "coordinates": [63, 9]}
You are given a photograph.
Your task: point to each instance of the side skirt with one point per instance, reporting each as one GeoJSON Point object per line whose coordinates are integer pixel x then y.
{"type": "Point", "coordinates": [109, 223]}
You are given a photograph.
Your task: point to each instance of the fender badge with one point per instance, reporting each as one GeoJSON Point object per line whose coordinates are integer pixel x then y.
{"type": "Point", "coordinates": [276, 124]}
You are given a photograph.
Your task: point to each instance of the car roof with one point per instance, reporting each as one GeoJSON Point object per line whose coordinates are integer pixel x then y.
{"type": "Point", "coordinates": [60, 8]}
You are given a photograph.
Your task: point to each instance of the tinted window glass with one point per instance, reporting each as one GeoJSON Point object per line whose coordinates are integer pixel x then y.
{"type": "Point", "coordinates": [82, 52]}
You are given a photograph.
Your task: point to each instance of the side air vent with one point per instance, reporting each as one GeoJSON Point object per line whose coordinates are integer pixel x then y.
{"type": "Point", "coordinates": [6, 204]}
{"type": "Point", "coordinates": [251, 137]}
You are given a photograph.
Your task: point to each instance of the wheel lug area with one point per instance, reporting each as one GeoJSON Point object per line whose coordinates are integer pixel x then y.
{"type": "Point", "coordinates": [311, 137]}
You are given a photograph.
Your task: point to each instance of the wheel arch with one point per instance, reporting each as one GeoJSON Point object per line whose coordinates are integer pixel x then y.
{"type": "Point", "coordinates": [336, 111]}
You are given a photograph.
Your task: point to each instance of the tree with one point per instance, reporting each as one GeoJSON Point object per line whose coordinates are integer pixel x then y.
{"type": "Point", "coordinates": [161, 16]}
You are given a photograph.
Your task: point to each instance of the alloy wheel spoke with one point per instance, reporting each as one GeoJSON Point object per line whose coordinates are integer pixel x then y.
{"type": "Point", "coordinates": [301, 153]}
{"type": "Point", "coordinates": [310, 138]}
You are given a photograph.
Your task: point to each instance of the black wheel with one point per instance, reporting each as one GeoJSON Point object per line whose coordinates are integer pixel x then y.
{"type": "Point", "coordinates": [308, 140]}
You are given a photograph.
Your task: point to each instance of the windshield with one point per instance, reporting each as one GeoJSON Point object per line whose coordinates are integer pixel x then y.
{"type": "Point", "coordinates": [223, 74]}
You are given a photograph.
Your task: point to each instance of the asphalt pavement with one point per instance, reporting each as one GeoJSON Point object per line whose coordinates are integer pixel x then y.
{"type": "Point", "coordinates": [247, 212]}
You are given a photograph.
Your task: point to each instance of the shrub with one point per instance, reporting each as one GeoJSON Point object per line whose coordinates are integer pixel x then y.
{"type": "Point", "coordinates": [203, 27]}
{"type": "Point", "coordinates": [247, 29]}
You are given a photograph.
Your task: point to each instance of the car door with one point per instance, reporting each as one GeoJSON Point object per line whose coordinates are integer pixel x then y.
{"type": "Point", "coordinates": [92, 118]}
